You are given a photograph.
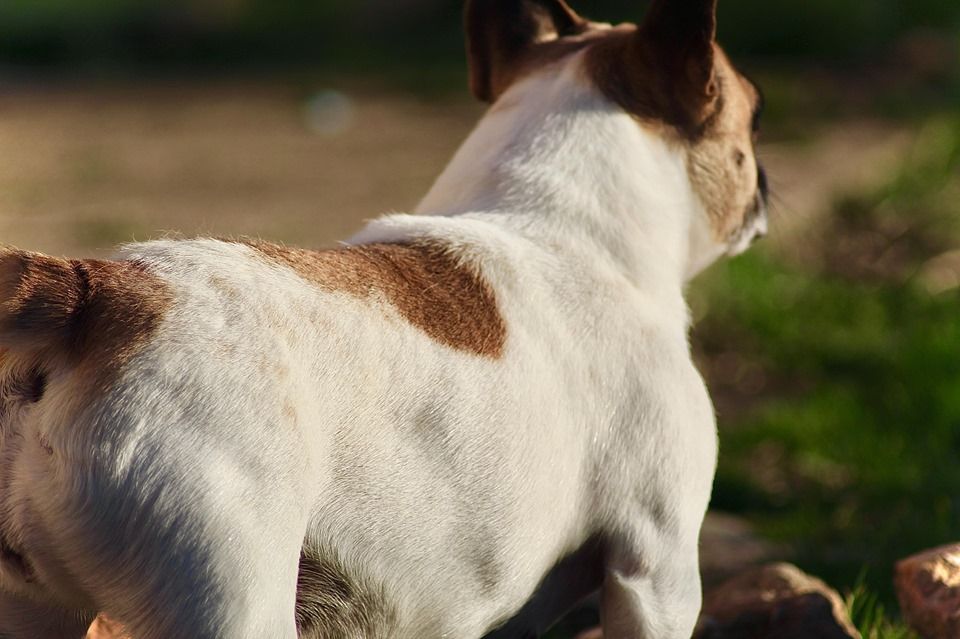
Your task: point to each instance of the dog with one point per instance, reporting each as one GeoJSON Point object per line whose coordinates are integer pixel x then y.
{"type": "Point", "coordinates": [457, 425]}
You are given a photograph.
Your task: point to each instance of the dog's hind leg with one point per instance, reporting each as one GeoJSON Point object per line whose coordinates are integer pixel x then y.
{"type": "Point", "coordinates": [232, 583]}
{"type": "Point", "coordinates": [193, 560]}
{"type": "Point", "coordinates": [140, 472]}
{"type": "Point", "coordinates": [24, 619]}
{"type": "Point", "coordinates": [641, 601]}
{"type": "Point", "coordinates": [207, 569]}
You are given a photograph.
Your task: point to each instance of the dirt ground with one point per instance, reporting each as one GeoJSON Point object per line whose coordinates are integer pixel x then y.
{"type": "Point", "coordinates": [83, 168]}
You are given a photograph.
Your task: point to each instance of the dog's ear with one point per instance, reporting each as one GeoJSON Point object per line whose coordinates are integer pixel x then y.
{"type": "Point", "coordinates": [676, 42]}
{"type": "Point", "coordinates": [501, 32]}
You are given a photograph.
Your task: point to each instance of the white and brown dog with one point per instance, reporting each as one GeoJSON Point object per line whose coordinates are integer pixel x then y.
{"type": "Point", "coordinates": [456, 425]}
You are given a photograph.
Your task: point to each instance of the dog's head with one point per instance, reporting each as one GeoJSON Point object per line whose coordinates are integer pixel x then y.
{"type": "Point", "coordinates": [668, 72]}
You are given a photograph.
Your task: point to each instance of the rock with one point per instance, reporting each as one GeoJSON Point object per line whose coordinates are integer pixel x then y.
{"type": "Point", "coordinates": [928, 587]}
{"type": "Point", "coordinates": [104, 628]}
{"type": "Point", "coordinates": [942, 273]}
{"type": "Point", "coordinates": [728, 546]}
{"type": "Point", "coordinates": [776, 601]}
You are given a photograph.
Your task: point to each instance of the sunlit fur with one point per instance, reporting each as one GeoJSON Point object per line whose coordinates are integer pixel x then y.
{"type": "Point", "coordinates": [266, 415]}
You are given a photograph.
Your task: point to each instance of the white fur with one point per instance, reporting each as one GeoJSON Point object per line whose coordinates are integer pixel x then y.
{"type": "Point", "coordinates": [180, 501]}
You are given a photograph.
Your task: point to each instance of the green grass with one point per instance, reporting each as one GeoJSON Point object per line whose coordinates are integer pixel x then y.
{"type": "Point", "coordinates": [849, 446]}
{"type": "Point", "coordinates": [871, 617]}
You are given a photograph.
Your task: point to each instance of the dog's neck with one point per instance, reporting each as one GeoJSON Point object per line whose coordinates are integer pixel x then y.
{"type": "Point", "coordinates": [556, 162]}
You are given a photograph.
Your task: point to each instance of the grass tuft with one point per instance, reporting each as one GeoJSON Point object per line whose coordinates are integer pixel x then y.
{"type": "Point", "coordinates": [871, 617]}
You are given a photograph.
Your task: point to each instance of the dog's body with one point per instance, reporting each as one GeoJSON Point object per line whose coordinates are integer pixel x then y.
{"type": "Point", "coordinates": [402, 437]}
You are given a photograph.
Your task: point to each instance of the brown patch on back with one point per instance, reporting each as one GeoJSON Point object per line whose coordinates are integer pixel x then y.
{"type": "Point", "coordinates": [331, 603]}
{"type": "Point", "coordinates": [431, 288]}
{"type": "Point", "coordinates": [94, 312]}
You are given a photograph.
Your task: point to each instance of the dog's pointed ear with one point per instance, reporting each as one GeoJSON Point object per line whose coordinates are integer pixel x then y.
{"type": "Point", "coordinates": [678, 36]}
{"type": "Point", "coordinates": [501, 32]}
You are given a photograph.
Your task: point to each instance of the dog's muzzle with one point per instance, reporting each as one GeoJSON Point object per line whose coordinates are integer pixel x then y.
{"type": "Point", "coordinates": [755, 221]}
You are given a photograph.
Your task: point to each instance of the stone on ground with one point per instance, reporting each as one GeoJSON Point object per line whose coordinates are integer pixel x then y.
{"type": "Point", "coordinates": [776, 601]}
{"type": "Point", "coordinates": [728, 546]}
{"type": "Point", "coordinates": [928, 587]}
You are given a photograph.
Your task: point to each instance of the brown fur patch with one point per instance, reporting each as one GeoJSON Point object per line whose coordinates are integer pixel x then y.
{"type": "Point", "coordinates": [431, 288]}
{"type": "Point", "coordinates": [91, 311]}
{"type": "Point", "coordinates": [330, 603]}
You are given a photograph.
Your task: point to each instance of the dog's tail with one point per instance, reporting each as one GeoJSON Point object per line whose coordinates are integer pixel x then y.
{"type": "Point", "coordinates": [51, 306]}
{"type": "Point", "coordinates": [40, 298]}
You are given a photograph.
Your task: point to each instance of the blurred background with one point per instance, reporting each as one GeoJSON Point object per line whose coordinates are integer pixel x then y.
{"type": "Point", "coordinates": [833, 350]}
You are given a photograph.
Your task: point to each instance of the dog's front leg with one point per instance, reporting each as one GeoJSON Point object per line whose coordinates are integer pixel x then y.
{"type": "Point", "coordinates": [24, 619]}
{"type": "Point", "coordinates": [640, 601]}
